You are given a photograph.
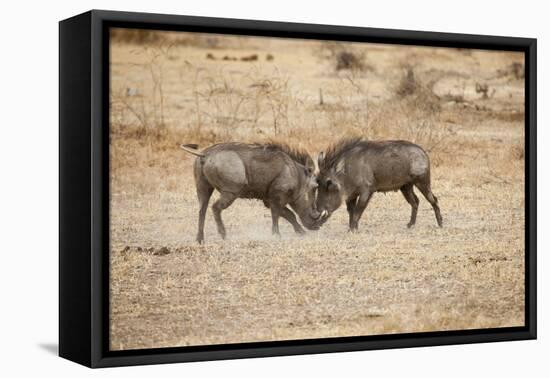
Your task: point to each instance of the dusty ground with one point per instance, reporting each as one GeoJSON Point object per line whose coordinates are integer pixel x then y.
{"type": "Point", "coordinates": [168, 291]}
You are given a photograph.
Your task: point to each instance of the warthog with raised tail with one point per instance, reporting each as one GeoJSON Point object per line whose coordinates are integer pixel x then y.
{"type": "Point", "coordinates": [354, 169]}
{"type": "Point", "coordinates": [274, 173]}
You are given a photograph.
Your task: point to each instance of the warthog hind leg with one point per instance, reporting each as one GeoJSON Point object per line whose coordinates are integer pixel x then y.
{"type": "Point", "coordinates": [426, 190]}
{"type": "Point", "coordinates": [412, 199]}
{"type": "Point", "coordinates": [204, 192]}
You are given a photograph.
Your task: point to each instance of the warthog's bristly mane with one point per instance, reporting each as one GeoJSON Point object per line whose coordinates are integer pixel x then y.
{"type": "Point", "coordinates": [295, 154]}
{"type": "Point", "coordinates": [337, 150]}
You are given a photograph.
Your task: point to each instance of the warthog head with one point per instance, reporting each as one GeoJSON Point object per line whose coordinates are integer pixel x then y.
{"type": "Point", "coordinates": [329, 191]}
{"type": "Point", "coordinates": [304, 205]}
{"type": "Point", "coordinates": [329, 194]}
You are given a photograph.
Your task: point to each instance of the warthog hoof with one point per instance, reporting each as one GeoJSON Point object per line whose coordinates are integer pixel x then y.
{"type": "Point", "coordinates": [300, 231]}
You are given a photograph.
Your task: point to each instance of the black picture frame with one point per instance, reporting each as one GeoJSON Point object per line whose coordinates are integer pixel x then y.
{"type": "Point", "coordinates": [84, 188]}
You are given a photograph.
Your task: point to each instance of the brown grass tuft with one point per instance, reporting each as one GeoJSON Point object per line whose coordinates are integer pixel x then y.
{"type": "Point", "coordinates": [347, 60]}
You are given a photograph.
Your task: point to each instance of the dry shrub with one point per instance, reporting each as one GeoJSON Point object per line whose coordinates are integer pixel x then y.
{"type": "Point", "coordinates": [483, 88]}
{"type": "Point", "coordinates": [518, 70]}
{"type": "Point", "coordinates": [408, 84]}
{"type": "Point", "coordinates": [229, 104]}
{"type": "Point", "coordinates": [225, 107]}
{"type": "Point", "coordinates": [415, 115]}
{"type": "Point", "coordinates": [249, 58]}
{"type": "Point", "coordinates": [344, 55]}
{"type": "Point", "coordinates": [348, 60]}
{"type": "Point", "coordinates": [217, 103]}
{"type": "Point", "coordinates": [404, 120]}
{"type": "Point", "coordinates": [433, 136]}
{"type": "Point", "coordinates": [347, 109]}
{"type": "Point", "coordinates": [147, 113]}
{"type": "Point", "coordinates": [515, 70]}
{"type": "Point", "coordinates": [416, 92]}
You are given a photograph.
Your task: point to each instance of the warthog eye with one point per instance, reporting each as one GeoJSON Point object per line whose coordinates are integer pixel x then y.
{"type": "Point", "coordinates": [331, 185]}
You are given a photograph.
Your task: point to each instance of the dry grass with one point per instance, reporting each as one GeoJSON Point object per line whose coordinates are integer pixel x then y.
{"type": "Point", "coordinates": [168, 291]}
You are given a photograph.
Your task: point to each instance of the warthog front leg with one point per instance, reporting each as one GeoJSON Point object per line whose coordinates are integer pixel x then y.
{"type": "Point", "coordinates": [291, 218]}
{"type": "Point", "coordinates": [350, 206]}
{"type": "Point", "coordinates": [286, 213]}
{"type": "Point", "coordinates": [275, 213]}
{"type": "Point", "coordinates": [412, 199]}
{"type": "Point", "coordinates": [360, 206]}
{"type": "Point", "coordinates": [225, 200]}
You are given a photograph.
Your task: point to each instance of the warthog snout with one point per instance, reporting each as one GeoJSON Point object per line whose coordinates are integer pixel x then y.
{"type": "Point", "coordinates": [320, 216]}
{"type": "Point", "coordinates": [317, 219]}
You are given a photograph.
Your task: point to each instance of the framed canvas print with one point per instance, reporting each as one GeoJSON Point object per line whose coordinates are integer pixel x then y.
{"type": "Point", "coordinates": [234, 188]}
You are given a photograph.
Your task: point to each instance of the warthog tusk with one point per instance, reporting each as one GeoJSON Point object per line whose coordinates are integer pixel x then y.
{"type": "Point", "coordinates": [324, 213]}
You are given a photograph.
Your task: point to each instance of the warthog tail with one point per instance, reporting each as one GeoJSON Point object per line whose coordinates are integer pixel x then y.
{"type": "Point", "coordinates": [192, 149]}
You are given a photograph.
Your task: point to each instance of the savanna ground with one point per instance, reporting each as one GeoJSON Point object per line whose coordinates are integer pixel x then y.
{"type": "Point", "coordinates": [465, 107]}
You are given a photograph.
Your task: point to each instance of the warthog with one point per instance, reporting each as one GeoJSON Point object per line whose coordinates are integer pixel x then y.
{"type": "Point", "coordinates": [274, 173]}
{"type": "Point", "coordinates": [354, 169]}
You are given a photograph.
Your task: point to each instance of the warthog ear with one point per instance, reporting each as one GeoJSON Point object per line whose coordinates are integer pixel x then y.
{"type": "Point", "coordinates": [320, 158]}
{"type": "Point", "coordinates": [340, 166]}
